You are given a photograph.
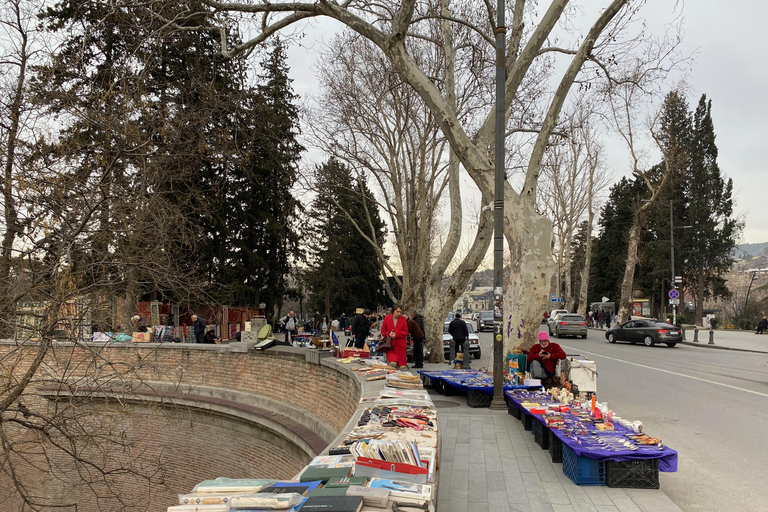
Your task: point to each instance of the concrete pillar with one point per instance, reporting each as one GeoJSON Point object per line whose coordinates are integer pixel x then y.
{"type": "Point", "coordinates": [711, 337]}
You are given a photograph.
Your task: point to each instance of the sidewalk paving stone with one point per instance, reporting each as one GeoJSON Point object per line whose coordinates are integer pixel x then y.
{"type": "Point", "coordinates": [488, 462]}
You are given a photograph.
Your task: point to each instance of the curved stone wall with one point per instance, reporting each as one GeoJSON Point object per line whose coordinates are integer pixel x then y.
{"type": "Point", "coordinates": [169, 416]}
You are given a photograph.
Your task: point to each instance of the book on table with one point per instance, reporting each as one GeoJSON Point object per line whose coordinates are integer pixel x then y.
{"type": "Point", "coordinates": [298, 487]}
{"type": "Point", "coordinates": [329, 491]}
{"type": "Point", "coordinates": [407, 491]}
{"type": "Point", "coordinates": [332, 504]}
{"type": "Point", "coordinates": [311, 473]}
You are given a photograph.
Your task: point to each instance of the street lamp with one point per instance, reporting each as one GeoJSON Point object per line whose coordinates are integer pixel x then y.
{"type": "Point", "coordinates": [673, 284]}
{"type": "Point", "coordinates": [498, 403]}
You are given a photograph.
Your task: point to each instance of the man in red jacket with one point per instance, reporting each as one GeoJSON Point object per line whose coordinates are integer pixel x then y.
{"type": "Point", "coordinates": [543, 357]}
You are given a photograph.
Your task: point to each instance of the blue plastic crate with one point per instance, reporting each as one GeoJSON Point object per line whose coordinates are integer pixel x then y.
{"type": "Point", "coordinates": [581, 470]}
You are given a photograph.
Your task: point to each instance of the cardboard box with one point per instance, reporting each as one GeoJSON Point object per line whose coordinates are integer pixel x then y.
{"type": "Point", "coordinates": [392, 470]}
{"type": "Point", "coordinates": [141, 337]}
{"type": "Point", "coordinates": [354, 352]}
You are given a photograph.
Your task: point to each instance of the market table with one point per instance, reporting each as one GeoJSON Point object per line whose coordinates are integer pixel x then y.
{"type": "Point", "coordinates": [477, 384]}
{"type": "Point", "coordinates": [585, 457]}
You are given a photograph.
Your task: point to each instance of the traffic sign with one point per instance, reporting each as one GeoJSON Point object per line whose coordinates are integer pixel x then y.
{"type": "Point", "coordinates": [674, 302]}
{"type": "Point", "coordinates": [553, 297]}
{"type": "Point", "coordinates": [559, 299]}
{"type": "Point", "coordinates": [674, 294]}
{"type": "Point", "coordinates": [678, 279]}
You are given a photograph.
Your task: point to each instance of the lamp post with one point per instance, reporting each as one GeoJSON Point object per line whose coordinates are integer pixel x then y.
{"type": "Point", "coordinates": [498, 402]}
{"type": "Point", "coordinates": [673, 284]}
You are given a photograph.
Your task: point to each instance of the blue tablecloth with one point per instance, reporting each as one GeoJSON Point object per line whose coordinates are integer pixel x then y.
{"type": "Point", "coordinates": [586, 445]}
{"type": "Point", "coordinates": [475, 380]}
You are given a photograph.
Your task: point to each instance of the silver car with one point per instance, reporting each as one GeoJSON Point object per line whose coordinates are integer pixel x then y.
{"type": "Point", "coordinates": [570, 325]}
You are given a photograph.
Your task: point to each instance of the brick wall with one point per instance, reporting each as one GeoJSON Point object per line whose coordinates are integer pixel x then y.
{"type": "Point", "coordinates": [155, 450]}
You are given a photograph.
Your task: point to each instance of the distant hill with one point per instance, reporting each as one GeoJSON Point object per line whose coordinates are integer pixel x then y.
{"type": "Point", "coordinates": [745, 250]}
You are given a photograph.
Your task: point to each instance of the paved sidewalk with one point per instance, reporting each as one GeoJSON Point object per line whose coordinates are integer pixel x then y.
{"type": "Point", "coordinates": [488, 462]}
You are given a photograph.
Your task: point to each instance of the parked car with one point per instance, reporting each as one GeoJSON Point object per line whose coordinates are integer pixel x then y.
{"type": "Point", "coordinates": [474, 346]}
{"type": "Point", "coordinates": [484, 321]}
{"type": "Point", "coordinates": [570, 325]}
{"type": "Point", "coordinates": [475, 316]}
{"type": "Point", "coordinates": [553, 317]}
{"type": "Point", "coordinates": [647, 332]}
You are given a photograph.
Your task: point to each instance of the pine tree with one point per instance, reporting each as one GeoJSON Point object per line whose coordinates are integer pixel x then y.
{"type": "Point", "coordinates": [345, 272]}
{"type": "Point", "coordinates": [709, 210]}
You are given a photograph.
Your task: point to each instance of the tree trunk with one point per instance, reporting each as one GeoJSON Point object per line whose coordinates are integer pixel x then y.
{"type": "Point", "coordinates": [530, 241]}
{"type": "Point", "coordinates": [129, 306]}
{"type": "Point", "coordinates": [700, 280]}
{"type": "Point", "coordinates": [584, 291]}
{"type": "Point", "coordinates": [625, 303]}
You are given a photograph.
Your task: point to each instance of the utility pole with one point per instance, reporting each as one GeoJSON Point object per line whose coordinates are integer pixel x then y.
{"type": "Point", "coordinates": [672, 260]}
{"type": "Point", "coordinates": [498, 402]}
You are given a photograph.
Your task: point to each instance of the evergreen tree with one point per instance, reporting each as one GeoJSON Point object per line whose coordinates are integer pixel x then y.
{"type": "Point", "coordinates": [250, 242]}
{"type": "Point", "coordinates": [709, 210]}
{"type": "Point", "coordinates": [344, 273]}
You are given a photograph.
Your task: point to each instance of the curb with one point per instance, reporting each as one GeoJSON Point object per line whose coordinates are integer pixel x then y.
{"type": "Point", "coordinates": [720, 347]}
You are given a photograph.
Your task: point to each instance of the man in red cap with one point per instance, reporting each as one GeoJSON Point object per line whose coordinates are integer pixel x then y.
{"type": "Point", "coordinates": [543, 357]}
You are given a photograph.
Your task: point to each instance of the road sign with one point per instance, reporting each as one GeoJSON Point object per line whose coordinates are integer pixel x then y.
{"type": "Point", "coordinates": [553, 297]}
{"type": "Point", "coordinates": [674, 294]}
{"type": "Point", "coordinates": [560, 299]}
{"type": "Point", "coordinates": [674, 302]}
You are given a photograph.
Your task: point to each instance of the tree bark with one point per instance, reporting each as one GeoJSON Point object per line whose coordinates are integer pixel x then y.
{"type": "Point", "coordinates": [529, 235]}
{"type": "Point", "coordinates": [633, 240]}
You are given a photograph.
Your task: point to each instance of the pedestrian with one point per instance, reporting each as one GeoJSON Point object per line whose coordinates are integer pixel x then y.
{"type": "Point", "coordinates": [198, 327]}
{"type": "Point", "coordinates": [762, 325]}
{"type": "Point", "coordinates": [318, 325]}
{"type": "Point", "coordinates": [600, 319]}
{"type": "Point", "coordinates": [291, 325]}
{"type": "Point", "coordinates": [543, 358]}
{"type": "Point", "coordinates": [210, 337]}
{"type": "Point", "coordinates": [342, 322]}
{"type": "Point", "coordinates": [139, 323]}
{"type": "Point", "coordinates": [416, 330]}
{"type": "Point", "coordinates": [459, 332]}
{"type": "Point", "coordinates": [395, 326]}
{"type": "Point", "coordinates": [361, 328]}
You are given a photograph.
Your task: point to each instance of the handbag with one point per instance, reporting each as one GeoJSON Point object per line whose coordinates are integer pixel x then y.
{"type": "Point", "coordinates": [385, 345]}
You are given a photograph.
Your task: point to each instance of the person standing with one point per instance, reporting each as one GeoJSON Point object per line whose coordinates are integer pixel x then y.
{"type": "Point", "coordinates": [396, 326]}
{"type": "Point", "coordinates": [416, 330]}
{"type": "Point", "coordinates": [361, 328]}
{"type": "Point", "coordinates": [459, 332]}
{"type": "Point", "coordinates": [198, 327]}
{"type": "Point", "coordinates": [291, 326]}
{"type": "Point", "coordinates": [543, 358]}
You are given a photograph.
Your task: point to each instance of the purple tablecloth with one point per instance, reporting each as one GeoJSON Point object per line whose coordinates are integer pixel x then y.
{"type": "Point", "coordinates": [587, 445]}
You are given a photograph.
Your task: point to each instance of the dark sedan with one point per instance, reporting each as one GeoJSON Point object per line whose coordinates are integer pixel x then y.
{"type": "Point", "coordinates": [647, 332]}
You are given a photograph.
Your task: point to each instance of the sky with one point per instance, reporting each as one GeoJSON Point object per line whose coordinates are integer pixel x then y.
{"type": "Point", "coordinates": [727, 40]}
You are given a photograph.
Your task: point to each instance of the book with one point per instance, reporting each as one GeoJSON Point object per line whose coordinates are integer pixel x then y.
{"type": "Point", "coordinates": [205, 498]}
{"type": "Point", "coordinates": [333, 504]}
{"type": "Point", "coordinates": [416, 493]}
{"type": "Point", "coordinates": [290, 509]}
{"type": "Point", "coordinates": [329, 491]}
{"type": "Point", "coordinates": [199, 508]}
{"type": "Point", "coordinates": [345, 482]}
{"type": "Point", "coordinates": [280, 489]}
{"type": "Point", "coordinates": [298, 487]}
{"type": "Point", "coordinates": [372, 497]}
{"type": "Point", "coordinates": [323, 474]}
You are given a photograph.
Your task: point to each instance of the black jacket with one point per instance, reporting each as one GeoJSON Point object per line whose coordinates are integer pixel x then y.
{"type": "Point", "coordinates": [361, 327]}
{"type": "Point", "coordinates": [458, 329]}
{"type": "Point", "coordinates": [419, 321]}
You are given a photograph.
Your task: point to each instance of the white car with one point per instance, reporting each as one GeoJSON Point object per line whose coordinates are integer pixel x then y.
{"type": "Point", "coordinates": [474, 346]}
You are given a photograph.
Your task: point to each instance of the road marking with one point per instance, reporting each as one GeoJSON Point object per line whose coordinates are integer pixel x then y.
{"type": "Point", "coordinates": [671, 373]}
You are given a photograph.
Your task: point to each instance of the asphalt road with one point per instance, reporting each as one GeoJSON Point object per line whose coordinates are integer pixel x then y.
{"type": "Point", "coordinates": [709, 405]}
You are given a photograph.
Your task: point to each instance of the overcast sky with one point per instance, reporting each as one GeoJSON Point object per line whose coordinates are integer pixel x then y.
{"type": "Point", "coordinates": [729, 40]}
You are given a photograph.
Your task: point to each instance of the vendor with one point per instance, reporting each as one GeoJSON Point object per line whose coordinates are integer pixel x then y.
{"type": "Point", "coordinates": [543, 357]}
{"type": "Point", "coordinates": [210, 337]}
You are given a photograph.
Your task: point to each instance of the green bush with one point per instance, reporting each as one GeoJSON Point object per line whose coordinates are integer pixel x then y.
{"type": "Point", "coordinates": [714, 323]}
